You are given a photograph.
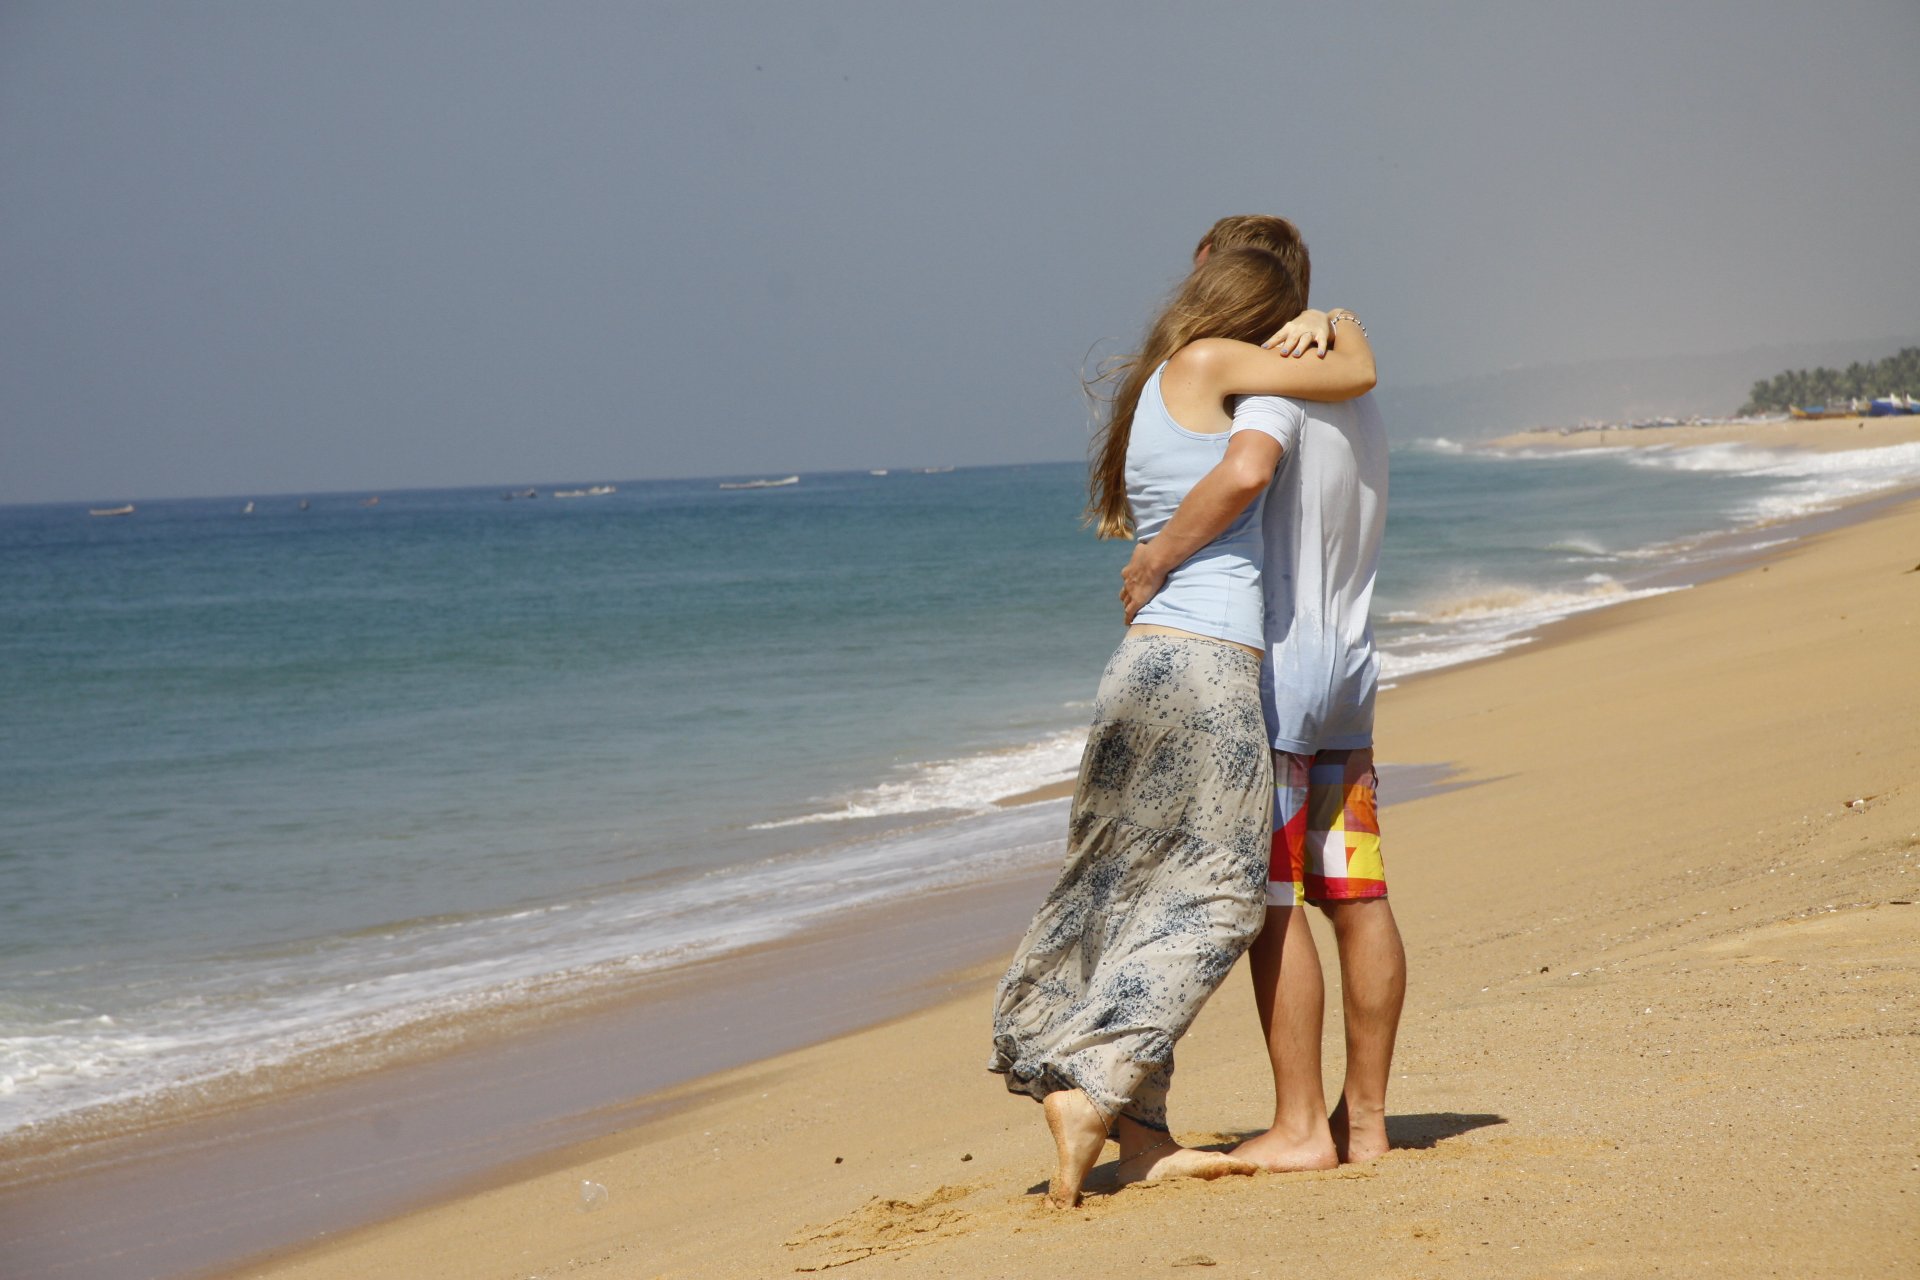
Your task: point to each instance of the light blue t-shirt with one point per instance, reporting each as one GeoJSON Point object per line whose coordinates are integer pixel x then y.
{"type": "Point", "coordinates": [1321, 529]}
{"type": "Point", "coordinates": [1216, 591]}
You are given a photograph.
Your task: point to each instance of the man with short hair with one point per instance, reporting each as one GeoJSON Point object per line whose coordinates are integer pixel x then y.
{"type": "Point", "coordinates": [1324, 516]}
{"type": "Point", "coordinates": [1260, 231]}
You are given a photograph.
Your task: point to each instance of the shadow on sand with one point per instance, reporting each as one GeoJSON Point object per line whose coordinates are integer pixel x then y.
{"type": "Point", "coordinates": [1412, 1133]}
{"type": "Point", "coordinates": [1421, 1132]}
{"type": "Point", "coordinates": [1428, 1130]}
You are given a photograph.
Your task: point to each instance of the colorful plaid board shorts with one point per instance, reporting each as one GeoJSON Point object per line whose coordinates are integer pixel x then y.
{"type": "Point", "coordinates": [1326, 829]}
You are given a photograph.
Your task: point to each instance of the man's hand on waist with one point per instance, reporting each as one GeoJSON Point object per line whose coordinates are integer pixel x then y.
{"type": "Point", "coordinates": [1142, 579]}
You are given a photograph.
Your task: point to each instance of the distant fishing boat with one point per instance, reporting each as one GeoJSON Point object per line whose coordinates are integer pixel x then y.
{"type": "Point", "coordinates": [247, 510]}
{"type": "Point", "coordinates": [760, 484]}
{"type": "Point", "coordinates": [1817, 411]}
{"type": "Point", "coordinates": [1888, 406]}
{"type": "Point", "coordinates": [598, 491]}
{"type": "Point", "coordinates": [878, 472]}
{"type": "Point", "coordinates": [111, 511]}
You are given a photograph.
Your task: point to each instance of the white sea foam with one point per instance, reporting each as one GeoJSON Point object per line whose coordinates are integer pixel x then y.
{"type": "Point", "coordinates": [1581, 546]}
{"type": "Point", "coordinates": [1549, 454]}
{"type": "Point", "coordinates": [265, 1008]}
{"type": "Point", "coordinates": [967, 784]}
{"type": "Point", "coordinates": [1489, 619]}
{"type": "Point", "coordinates": [1809, 482]}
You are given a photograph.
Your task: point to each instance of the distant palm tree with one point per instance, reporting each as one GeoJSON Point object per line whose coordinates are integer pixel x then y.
{"type": "Point", "coordinates": [1898, 374]}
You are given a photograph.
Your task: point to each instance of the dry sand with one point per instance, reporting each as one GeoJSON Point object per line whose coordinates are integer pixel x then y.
{"type": "Point", "coordinates": [1826, 435]}
{"type": "Point", "coordinates": [1662, 1016]}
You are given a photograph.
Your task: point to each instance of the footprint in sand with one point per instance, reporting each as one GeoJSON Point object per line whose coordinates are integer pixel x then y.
{"type": "Point", "coordinates": [884, 1225]}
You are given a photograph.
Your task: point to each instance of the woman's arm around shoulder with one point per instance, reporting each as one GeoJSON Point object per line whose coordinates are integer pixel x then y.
{"type": "Point", "coordinates": [1221, 367]}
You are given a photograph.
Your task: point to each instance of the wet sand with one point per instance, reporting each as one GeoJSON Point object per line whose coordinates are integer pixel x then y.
{"type": "Point", "coordinates": [202, 1183]}
{"type": "Point", "coordinates": [1662, 1014]}
{"type": "Point", "coordinates": [220, 1183]}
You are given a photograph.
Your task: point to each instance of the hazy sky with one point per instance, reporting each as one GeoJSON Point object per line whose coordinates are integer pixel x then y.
{"type": "Point", "coordinates": [250, 247]}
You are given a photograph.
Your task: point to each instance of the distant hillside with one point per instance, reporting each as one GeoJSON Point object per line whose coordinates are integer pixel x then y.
{"type": "Point", "coordinates": [1607, 390]}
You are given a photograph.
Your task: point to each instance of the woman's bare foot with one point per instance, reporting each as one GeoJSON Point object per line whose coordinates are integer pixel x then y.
{"type": "Point", "coordinates": [1358, 1139]}
{"type": "Point", "coordinates": [1181, 1162]}
{"type": "Point", "coordinates": [1150, 1155]}
{"type": "Point", "coordinates": [1079, 1135]}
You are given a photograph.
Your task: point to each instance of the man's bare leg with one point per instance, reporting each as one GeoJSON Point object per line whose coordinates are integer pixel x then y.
{"type": "Point", "coordinates": [1079, 1134]}
{"type": "Point", "coordinates": [1149, 1155]}
{"type": "Point", "coordinates": [1373, 980]}
{"type": "Point", "coordinates": [1290, 995]}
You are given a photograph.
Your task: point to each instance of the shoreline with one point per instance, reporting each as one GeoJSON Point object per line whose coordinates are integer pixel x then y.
{"type": "Point", "coordinates": [416, 1132]}
{"type": "Point", "coordinates": [1821, 435]}
{"type": "Point", "coordinates": [401, 1032]}
{"type": "Point", "coordinates": [1755, 954]}
{"type": "Point", "coordinates": [442, 1122]}
{"type": "Point", "coordinates": [921, 919]}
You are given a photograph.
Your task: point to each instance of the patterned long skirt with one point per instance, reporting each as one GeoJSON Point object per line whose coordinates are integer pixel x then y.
{"type": "Point", "coordinates": [1164, 883]}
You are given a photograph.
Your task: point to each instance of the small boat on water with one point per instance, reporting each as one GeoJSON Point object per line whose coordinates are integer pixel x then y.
{"type": "Point", "coordinates": [247, 510]}
{"type": "Point", "coordinates": [598, 491]}
{"type": "Point", "coordinates": [111, 511]}
{"type": "Point", "coordinates": [879, 471]}
{"type": "Point", "coordinates": [933, 471]}
{"type": "Point", "coordinates": [760, 484]}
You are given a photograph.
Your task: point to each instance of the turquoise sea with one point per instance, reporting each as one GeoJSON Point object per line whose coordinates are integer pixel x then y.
{"type": "Point", "coordinates": [276, 778]}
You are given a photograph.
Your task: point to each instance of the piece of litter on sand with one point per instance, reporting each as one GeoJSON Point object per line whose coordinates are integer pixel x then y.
{"type": "Point", "coordinates": [1195, 1260]}
{"type": "Point", "coordinates": [592, 1196]}
{"type": "Point", "coordinates": [966, 1157]}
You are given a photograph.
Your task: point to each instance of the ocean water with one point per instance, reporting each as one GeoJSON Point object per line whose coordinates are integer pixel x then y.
{"type": "Point", "coordinates": [273, 780]}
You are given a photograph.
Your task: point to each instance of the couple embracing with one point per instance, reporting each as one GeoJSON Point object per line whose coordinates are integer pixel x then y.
{"type": "Point", "coordinates": [1228, 778]}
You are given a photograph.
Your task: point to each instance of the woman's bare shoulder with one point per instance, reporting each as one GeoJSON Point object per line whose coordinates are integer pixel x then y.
{"type": "Point", "coordinates": [1207, 358]}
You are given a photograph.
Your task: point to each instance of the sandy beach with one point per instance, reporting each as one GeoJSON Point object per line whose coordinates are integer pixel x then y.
{"type": "Point", "coordinates": [1827, 435]}
{"type": "Point", "coordinates": [1662, 1003]}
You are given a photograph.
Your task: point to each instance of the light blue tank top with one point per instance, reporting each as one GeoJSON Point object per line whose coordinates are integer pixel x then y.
{"type": "Point", "coordinates": [1216, 591]}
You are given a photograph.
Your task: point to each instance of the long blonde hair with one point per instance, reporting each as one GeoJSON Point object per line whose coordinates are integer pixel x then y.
{"type": "Point", "coordinates": [1243, 293]}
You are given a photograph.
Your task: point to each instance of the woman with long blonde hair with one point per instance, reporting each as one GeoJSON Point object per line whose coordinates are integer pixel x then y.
{"type": "Point", "coordinates": [1164, 884]}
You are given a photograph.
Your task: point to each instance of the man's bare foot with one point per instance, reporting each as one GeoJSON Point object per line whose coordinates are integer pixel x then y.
{"type": "Point", "coordinates": [1358, 1140]}
{"type": "Point", "coordinates": [1278, 1152]}
{"type": "Point", "coordinates": [1079, 1135]}
{"type": "Point", "coordinates": [1174, 1161]}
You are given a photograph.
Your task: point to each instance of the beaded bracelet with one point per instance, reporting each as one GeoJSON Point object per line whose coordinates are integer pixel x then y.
{"type": "Point", "coordinates": [1335, 317]}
